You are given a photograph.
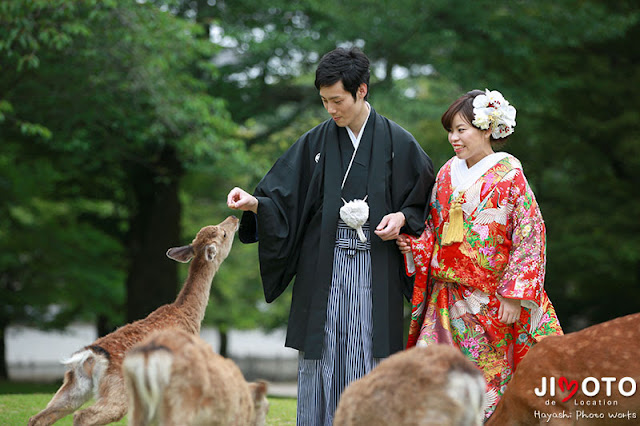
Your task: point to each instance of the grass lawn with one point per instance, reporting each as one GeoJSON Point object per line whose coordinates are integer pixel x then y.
{"type": "Point", "coordinates": [19, 401]}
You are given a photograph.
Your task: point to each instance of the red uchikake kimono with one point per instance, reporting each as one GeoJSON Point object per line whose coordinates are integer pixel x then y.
{"type": "Point", "coordinates": [457, 287]}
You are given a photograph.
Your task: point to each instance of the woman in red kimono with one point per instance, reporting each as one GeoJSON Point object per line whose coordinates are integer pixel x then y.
{"type": "Point", "coordinates": [480, 263]}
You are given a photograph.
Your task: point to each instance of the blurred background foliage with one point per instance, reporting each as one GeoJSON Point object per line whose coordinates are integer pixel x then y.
{"type": "Point", "coordinates": [123, 125]}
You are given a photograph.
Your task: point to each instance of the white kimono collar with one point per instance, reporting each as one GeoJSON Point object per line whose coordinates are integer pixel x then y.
{"type": "Point", "coordinates": [355, 140]}
{"type": "Point", "coordinates": [463, 177]}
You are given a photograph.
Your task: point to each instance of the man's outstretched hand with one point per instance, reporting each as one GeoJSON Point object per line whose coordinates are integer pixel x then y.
{"type": "Point", "coordinates": [239, 199]}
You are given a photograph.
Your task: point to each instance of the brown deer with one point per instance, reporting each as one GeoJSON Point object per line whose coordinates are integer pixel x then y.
{"type": "Point", "coordinates": [433, 385]}
{"type": "Point", "coordinates": [96, 370]}
{"type": "Point", "coordinates": [548, 387]}
{"type": "Point", "coordinates": [174, 378]}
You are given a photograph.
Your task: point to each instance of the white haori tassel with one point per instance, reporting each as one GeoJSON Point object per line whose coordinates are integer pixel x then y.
{"type": "Point", "coordinates": [355, 214]}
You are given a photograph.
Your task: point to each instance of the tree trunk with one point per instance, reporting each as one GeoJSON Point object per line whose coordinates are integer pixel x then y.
{"type": "Point", "coordinates": [155, 227]}
{"type": "Point", "coordinates": [4, 369]}
{"type": "Point", "coordinates": [224, 342]}
{"type": "Point", "coordinates": [104, 326]}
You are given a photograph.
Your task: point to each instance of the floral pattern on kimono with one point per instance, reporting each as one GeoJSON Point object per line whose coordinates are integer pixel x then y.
{"type": "Point", "coordinates": [458, 287]}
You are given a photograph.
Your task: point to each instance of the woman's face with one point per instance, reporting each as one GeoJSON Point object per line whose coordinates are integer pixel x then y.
{"type": "Point", "coordinates": [468, 142]}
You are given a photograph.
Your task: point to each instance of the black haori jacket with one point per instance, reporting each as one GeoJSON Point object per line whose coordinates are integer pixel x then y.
{"type": "Point", "coordinates": [298, 211]}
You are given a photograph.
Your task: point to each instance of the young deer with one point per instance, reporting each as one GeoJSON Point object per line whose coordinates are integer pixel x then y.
{"type": "Point", "coordinates": [548, 387]}
{"type": "Point", "coordinates": [176, 379]}
{"type": "Point", "coordinates": [96, 370]}
{"type": "Point", "coordinates": [434, 385]}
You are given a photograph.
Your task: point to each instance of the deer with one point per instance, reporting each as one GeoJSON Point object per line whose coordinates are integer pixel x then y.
{"type": "Point", "coordinates": [174, 378]}
{"type": "Point", "coordinates": [588, 377]}
{"type": "Point", "coordinates": [432, 385]}
{"type": "Point", "coordinates": [96, 370]}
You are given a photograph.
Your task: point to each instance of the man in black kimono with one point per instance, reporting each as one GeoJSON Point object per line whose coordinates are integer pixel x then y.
{"type": "Point", "coordinates": [347, 302]}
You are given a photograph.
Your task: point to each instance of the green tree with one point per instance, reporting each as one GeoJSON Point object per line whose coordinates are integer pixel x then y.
{"type": "Point", "coordinates": [112, 98]}
{"type": "Point", "coordinates": [136, 85]}
{"type": "Point", "coordinates": [569, 67]}
{"type": "Point", "coordinates": [40, 255]}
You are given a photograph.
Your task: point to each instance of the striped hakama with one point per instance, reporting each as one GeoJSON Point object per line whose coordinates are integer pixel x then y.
{"type": "Point", "coordinates": [347, 349]}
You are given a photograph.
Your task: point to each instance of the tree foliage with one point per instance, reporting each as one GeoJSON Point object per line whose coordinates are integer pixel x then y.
{"type": "Point", "coordinates": [124, 125]}
{"type": "Point", "coordinates": [571, 69]}
{"type": "Point", "coordinates": [105, 109]}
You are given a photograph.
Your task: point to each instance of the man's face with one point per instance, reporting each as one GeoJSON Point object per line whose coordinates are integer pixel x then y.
{"type": "Point", "coordinates": [340, 103]}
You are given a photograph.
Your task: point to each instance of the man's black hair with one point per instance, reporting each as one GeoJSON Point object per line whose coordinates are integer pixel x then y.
{"type": "Point", "coordinates": [350, 66]}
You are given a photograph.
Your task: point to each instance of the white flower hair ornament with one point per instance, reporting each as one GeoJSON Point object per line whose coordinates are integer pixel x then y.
{"type": "Point", "coordinates": [492, 110]}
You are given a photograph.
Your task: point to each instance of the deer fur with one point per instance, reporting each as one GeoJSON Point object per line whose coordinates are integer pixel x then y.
{"type": "Point", "coordinates": [175, 378]}
{"type": "Point", "coordinates": [95, 371]}
{"type": "Point", "coordinates": [433, 385]}
{"type": "Point", "coordinates": [609, 349]}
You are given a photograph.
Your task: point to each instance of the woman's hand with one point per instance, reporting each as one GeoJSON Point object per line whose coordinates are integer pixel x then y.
{"type": "Point", "coordinates": [509, 310]}
{"type": "Point", "coordinates": [403, 244]}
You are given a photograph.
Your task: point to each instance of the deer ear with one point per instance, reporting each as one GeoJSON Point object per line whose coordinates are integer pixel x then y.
{"type": "Point", "coordinates": [88, 365]}
{"type": "Point", "coordinates": [211, 252]}
{"type": "Point", "coordinates": [181, 254]}
{"type": "Point", "coordinates": [258, 389]}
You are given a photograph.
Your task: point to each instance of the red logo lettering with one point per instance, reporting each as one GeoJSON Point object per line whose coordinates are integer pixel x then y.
{"type": "Point", "coordinates": [568, 386]}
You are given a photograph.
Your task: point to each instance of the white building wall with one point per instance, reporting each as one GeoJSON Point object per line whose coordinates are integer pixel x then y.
{"type": "Point", "coordinates": [35, 355]}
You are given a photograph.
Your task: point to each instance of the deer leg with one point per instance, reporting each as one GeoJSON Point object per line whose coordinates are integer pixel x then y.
{"type": "Point", "coordinates": [111, 404]}
{"type": "Point", "coordinates": [177, 411]}
{"type": "Point", "coordinates": [71, 395]}
{"type": "Point", "coordinates": [138, 414]}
